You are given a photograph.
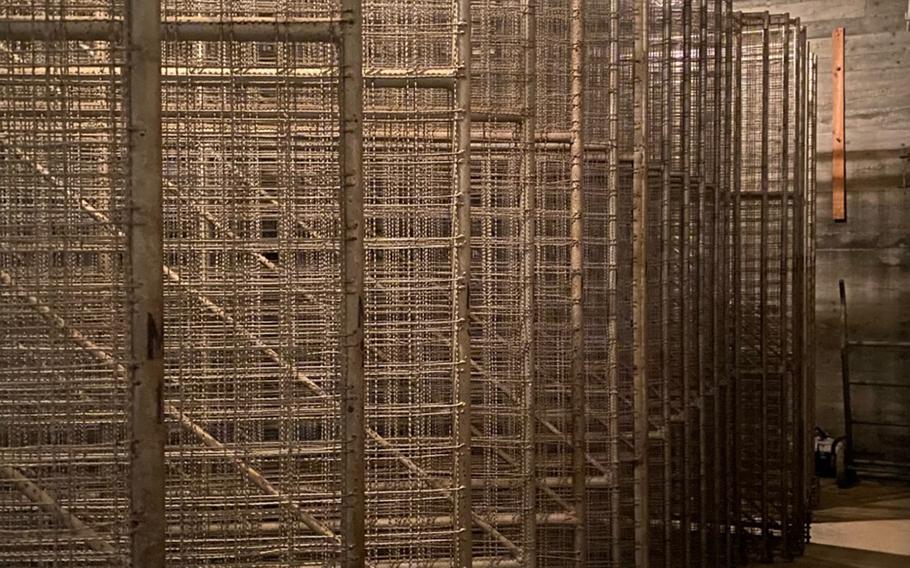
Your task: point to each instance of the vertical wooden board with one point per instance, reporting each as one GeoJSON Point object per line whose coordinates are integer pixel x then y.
{"type": "Point", "coordinates": [839, 141]}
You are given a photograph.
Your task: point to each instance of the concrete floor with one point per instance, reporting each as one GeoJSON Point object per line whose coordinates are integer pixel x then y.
{"type": "Point", "coordinates": [867, 526]}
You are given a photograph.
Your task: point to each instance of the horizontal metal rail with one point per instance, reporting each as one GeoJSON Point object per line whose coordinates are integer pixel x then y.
{"type": "Point", "coordinates": [184, 29]}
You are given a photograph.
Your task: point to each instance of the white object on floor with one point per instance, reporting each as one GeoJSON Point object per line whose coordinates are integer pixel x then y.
{"type": "Point", "coordinates": [888, 536]}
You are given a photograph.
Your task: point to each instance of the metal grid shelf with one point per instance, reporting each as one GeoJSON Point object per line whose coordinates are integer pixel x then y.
{"type": "Point", "coordinates": [490, 283]}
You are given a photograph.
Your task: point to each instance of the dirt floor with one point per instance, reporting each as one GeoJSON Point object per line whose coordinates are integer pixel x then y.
{"type": "Point", "coordinates": [866, 526]}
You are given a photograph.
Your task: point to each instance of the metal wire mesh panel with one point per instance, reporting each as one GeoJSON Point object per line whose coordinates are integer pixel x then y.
{"type": "Point", "coordinates": [502, 417]}
{"type": "Point", "coordinates": [412, 241]}
{"type": "Point", "coordinates": [771, 288]}
{"type": "Point", "coordinates": [250, 133]}
{"type": "Point", "coordinates": [64, 435]}
{"type": "Point", "coordinates": [601, 276]}
{"type": "Point", "coordinates": [549, 279]}
{"type": "Point", "coordinates": [553, 287]}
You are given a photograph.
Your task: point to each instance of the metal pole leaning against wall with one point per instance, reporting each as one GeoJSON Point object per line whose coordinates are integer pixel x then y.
{"type": "Point", "coordinates": [353, 443]}
{"type": "Point", "coordinates": [529, 268]}
{"type": "Point", "coordinates": [145, 242]}
{"type": "Point", "coordinates": [640, 282]}
{"type": "Point", "coordinates": [576, 273]}
{"type": "Point", "coordinates": [462, 280]}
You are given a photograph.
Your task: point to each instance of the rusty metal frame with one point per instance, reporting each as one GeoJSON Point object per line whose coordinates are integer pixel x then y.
{"type": "Point", "coordinates": [145, 239]}
{"type": "Point", "coordinates": [640, 371]}
{"type": "Point", "coordinates": [147, 270]}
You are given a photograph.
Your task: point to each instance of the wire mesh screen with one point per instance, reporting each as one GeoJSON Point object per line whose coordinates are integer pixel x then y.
{"type": "Point", "coordinates": [553, 302]}
{"type": "Point", "coordinates": [64, 321]}
{"type": "Point", "coordinates": [502, 416]}
{"type": "Point", "coordinates": [601, 279]}
{"type": "Point", "coordinates": [545, 459]}
{"type": "Point", "coordinates": [250, 158]}
{"type": "Point", "coordinates": [411, 282]}
{"type": "Point", "coordinates": [771, 288]}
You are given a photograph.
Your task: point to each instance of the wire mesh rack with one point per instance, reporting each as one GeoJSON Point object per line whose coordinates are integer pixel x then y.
{"type": "Point", "coordinates": [771, 286]}
{"type": "Point", "coordinates": [542, 301]}
{"type": "Point", "coordinates": [64, 428]}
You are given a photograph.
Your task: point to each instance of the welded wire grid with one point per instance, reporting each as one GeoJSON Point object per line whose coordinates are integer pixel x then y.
{"type": "Point", "coordinates": [601, 349]}
{"type": "Point", "coordinates": [64, 436]}
{"type": "Point", "coordinates": [659, 90]}
{"type": "Point", "coordinates": [411, 300]}
{"type": "Point", "coordinates": [502, 419]}
{"type": "Point", "coordinates": [252, 275]}
{"type": "Point", "coordinates": [251, 169]}
{"type": "Point", "coordinates": [554, 443]}
{"type": "Point", "coordinates": [770, 370]}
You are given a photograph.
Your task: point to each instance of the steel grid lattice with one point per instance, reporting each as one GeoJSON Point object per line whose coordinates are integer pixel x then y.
{"type": "Point", "coordinates": [772, 288]}
{"type": "Point", "coordinates": [64, 333]}
{"type": "Point", "coordinates": [548, 284]}
{"type": "Point", "coordinates": [251, 233]}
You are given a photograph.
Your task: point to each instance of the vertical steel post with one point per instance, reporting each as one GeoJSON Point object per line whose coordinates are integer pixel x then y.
{"type": "Point", "coordinates": [838, 122]}
{"type": "Point", "coordinates": [462, 282]}
{"type": "Point", "coordinates": [353, 451]}
{"type": "Point", "coordinates": [145, 238]}
{"type": "Point", "coordinates": [811, 194]}
{"type": "Point", "coordinates": [576, 273]}
{"type": "Point", "coordinates": [665, 249]}
{"type": "Point", "coordinates": [613, 173]}
{"type": "Point", "coordinates": [728, 474]}
{"type": "Point", "coordinates": [799, 284]}
{"type": "Point", "coordinates": [845, 377]}
{"type": "Point", "coordinates": [784, 368]}
{"type": "Point", "coordinates": [640, 281]}
{"type": "Point", "coordinates": [737, 265]}
{"type": "Point", "coordinates": [700, 160]}
{"type": "Point", "coordinates": [529, 283]}
{"type": "Point", "coordinates": [684, 253]}
{"type": "Point", "coordinates": [763, 288]}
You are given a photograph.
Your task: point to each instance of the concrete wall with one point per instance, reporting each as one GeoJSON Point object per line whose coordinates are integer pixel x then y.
{"type": "Point", "coordinates": [871, 252]}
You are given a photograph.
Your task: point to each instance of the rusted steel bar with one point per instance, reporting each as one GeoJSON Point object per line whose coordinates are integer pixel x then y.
{"type": "Point", "coordinates": [785, 368]}
{"type": "Point", "coordinates": [701, 309]}
{"type": "Point", "coordinates": [728, 493]}
{"type": "Point", "coordinates": [46, 502]}
{"type": "Point", "coordinates": [685, 286]}
{"type": "Point", "coordinates": [613, 152]}
{"type": "Point", "coordinates": [799, 287]}
{"type": "Point", "coordinates": [353, 423]}
{"type": "Point", "coordinates": [641, 137]}
{"type": "Point", "coordinates": [145, 240]}
{"type": "Point", "coordinates": [529, 283]}
{"type": "Point", "coordinates": [716, 528]}
{"type": "Point", "coordinates": [462, 279]}
{"type": "Point", "coordinates": [576, 272]}
{"type": "Point", "coordinates": [766, 537]}
{"type": "Point", "coordinates": [737, 316]}
{"type": "Point", "coordinates": [667, 133]}
{"type": "Point", "coordinates": [187, 29]}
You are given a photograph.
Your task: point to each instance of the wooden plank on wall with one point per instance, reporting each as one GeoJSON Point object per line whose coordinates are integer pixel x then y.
{"type": "Point", "coordinates": [839, 142]}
